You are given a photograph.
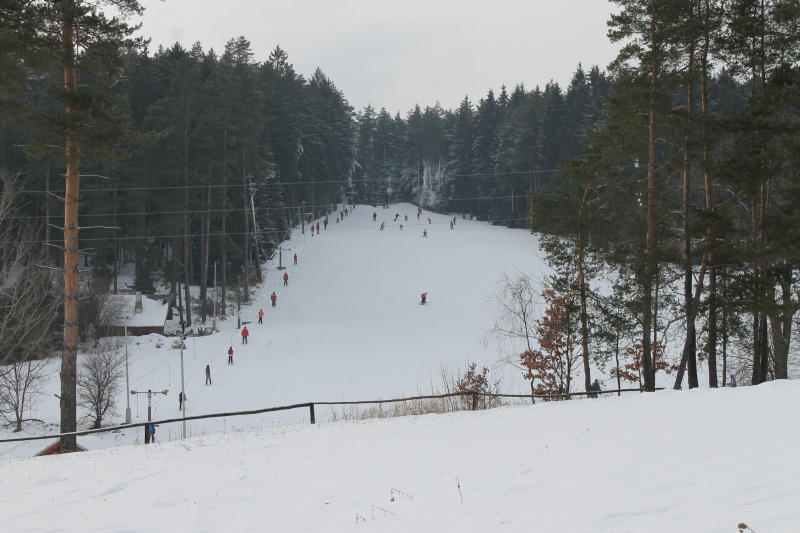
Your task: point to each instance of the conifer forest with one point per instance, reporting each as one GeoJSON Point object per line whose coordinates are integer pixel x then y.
{"type": "Point", "coordinates": [665, 187]}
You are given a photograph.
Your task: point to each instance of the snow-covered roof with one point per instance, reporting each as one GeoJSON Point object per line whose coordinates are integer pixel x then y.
{"type": "Point", "coordinates": [154, 311]}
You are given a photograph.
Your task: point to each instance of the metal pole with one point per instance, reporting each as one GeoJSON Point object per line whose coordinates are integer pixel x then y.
{"type": "Point", "coordinates": [215, 296]}
{"type": "Point", "coordinates": [127, 380]}
{"type": "Point", "coordinates": [183, 393]}
{"type": "Point", "coordinates": [149, 403]}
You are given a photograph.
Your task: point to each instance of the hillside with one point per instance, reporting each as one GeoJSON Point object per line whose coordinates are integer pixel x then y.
{"type": "Point", "coordinates": [349, 326]}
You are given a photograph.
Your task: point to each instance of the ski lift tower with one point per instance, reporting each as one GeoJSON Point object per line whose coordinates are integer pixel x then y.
{"type": "Point", "coordinates": [280, 257]}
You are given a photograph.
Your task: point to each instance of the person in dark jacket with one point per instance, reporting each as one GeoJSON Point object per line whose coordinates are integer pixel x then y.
{"type": "Point", "coordinates": [208, 375]}
{"type": "Point", "coordinates": [595, 388]}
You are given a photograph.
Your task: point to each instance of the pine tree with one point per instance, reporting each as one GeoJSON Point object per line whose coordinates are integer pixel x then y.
{"type": "Point", "coordinates": [87, 45]}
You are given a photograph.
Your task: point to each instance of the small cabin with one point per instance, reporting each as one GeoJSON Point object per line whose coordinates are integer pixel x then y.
{"type": "Point", "coordinates": [55, 449]}
{"type": "Point", "coordinates": [142, 315]}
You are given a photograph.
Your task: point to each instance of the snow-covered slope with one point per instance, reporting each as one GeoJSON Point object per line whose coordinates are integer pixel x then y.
{"type": "Point", "coordinates": [349, 326]}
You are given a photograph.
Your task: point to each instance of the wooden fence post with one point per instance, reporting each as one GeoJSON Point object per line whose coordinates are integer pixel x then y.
{"type": "Point", "coordinates": [474, 401]}
{"type": "Point", "coordinates": [311, 407]}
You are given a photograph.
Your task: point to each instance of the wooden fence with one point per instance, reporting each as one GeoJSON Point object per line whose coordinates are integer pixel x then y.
{"type": "Point", "coordinates": [312, 417]}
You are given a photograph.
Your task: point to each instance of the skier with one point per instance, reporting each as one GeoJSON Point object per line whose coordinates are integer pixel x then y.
{"type": "Point", "coordinates": [325, 222]}
{"type": "Point", "coordinates": [245, 334]}
{"type": "Point", "coordinates": [180, 401]}
{"type": "Point", "coordinates": [382, 225]}
{"type": "Point", "coordinates": [374, 216]}
{"type": "Point", "coordinates": [595, 388]}
{"type": "Point", "coordinates": [317, 227]}
{"type": "Point", "coordinates": [151, 432]}
{"type": "Point", "coordinates": [285, 279]}
{"type": "Point", "coordinates": [230, 355]}
{"type": "Point", "coordinates": [208, 375]}
{"type": "Point", "coordinates": [337, 220]}
{"type": "Point", "coordinates": [261, 316]}
{"type": "Point", "coordinates": [451, 224]}
{"type": "Point", "coordinates": [406, 218]}
{"type": "Point", "coordinates": [401, 226]}
{"type": "Point", "coordinates": [732, 382]}
{"type": "Point", "coordinates": [425, 233]}
{"type": "Point", "coordinates": [424, 296]}
{"type": "Point", "coordinates": [273, 298]}
{"type": "Point", "coordinates": [454, 221]}
{"type": "Point", "coordinates": [429, 220]}
{"type": "Point", "coordinates": [295, 259]}
{"type": "Point", "coordinates": [312, 230]}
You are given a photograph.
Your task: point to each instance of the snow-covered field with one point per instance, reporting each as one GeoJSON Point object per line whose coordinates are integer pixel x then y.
{"type": "Point", "coordinates": [348, 326]}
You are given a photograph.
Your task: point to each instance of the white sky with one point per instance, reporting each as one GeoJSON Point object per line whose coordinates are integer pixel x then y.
{"type": "Point", "coordinates": [395, 54]}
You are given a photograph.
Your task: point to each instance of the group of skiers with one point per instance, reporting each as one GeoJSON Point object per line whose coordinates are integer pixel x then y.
{"type": "Point", "coordinates": [325, 222]}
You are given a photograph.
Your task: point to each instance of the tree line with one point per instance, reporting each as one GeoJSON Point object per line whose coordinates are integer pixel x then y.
{"type": "Point", "coordinates": [677, 225]}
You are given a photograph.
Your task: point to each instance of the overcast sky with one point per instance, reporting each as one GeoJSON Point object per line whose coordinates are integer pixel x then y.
{"type": "Point", "coordinates": [394, 54]}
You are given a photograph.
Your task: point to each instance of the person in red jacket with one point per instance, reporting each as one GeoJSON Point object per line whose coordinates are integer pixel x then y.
{"type": "Point", "coordinates": [261, 316]}
{"type": "Point", "coordinates": [230, 355]}
{"type": "Point", "coordinates": [274, 299]}
{"type": "Point", "coordinates": [245, 334]}
{"type": "Point", "coordinates": [317, 227]}
{"type": "Point", "coordinates": [424, 297]}
{"type": "Point", "coordinates": [295, 259]}
{"type": "Point", "coordinates": [285, 278]}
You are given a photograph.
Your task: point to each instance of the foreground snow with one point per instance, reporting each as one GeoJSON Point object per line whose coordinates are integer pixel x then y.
{"type": "Point", "coordinates": [669, 461]}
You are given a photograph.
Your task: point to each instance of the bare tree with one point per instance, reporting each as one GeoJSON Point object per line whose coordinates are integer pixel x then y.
{"type": "Point", "coordinates": [99, 310]}
{"type": "Point", "coordinates": [28, 304]}
{"type": "Point", "coordinates": [515, 307]}
{"type": "Point", "coordinates": [20, 389]}
{"type": "Point", "coordinates": [99, 379]}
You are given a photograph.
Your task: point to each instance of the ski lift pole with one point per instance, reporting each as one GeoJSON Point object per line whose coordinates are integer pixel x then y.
{"type": "Point", "coordinates": [183, 391]}
{"type": "Point", "coordinates": [127, 380]}
{"type": "Point", "coordinates": [280, 257]}
{"type": "Point", "coordinates": [150, 402]}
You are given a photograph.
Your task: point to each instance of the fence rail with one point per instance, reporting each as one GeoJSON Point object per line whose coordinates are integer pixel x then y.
{"type": "Point", "coordinates": [310, 407]}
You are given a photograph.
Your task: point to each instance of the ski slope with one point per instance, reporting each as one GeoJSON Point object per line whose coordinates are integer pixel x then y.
{"type": "Point", "coordinates": [349, 326]}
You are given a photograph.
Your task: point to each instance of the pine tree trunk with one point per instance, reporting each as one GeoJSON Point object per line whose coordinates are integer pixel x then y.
{"type": "Point", "coordinates": [649, 275]}
{"type": "Point", "coordinates": [582, 284]}
{"type": "Point", "coordinates": [69, 355]}
{"type": "Point", "coordinates": [206, 251]}
{"type": "Point", "coordinates": [246, 250]}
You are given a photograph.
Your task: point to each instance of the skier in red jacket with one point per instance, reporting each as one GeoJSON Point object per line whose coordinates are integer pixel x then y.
{"type": "Point", "coordinates": [274, 299]}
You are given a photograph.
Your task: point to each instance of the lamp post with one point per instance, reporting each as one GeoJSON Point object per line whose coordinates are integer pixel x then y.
{"type": "Point", "coordinates": [214, 323]}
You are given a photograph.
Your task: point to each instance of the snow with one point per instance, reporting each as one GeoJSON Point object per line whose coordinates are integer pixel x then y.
{"type": "Point", "coordinates": [349, 326]}
{"type": "Point", "coordinates": [154, 311]}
